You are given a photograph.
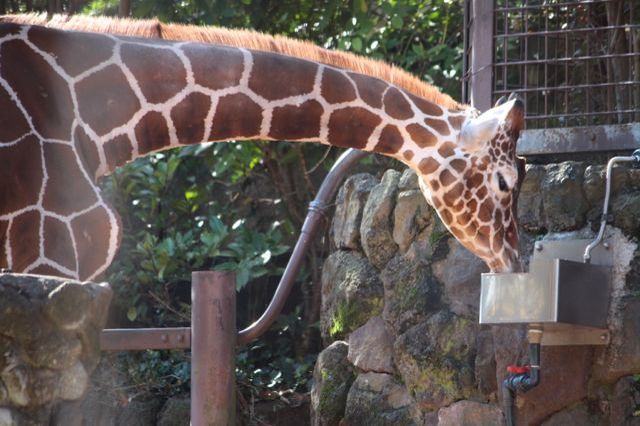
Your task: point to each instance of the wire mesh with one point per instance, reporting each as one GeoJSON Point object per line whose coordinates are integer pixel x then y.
{"type": "Point", "coordinates": [574, 63]}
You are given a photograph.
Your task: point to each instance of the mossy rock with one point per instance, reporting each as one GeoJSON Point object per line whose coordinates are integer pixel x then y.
{"type": "Point", "coordinates": [351, 294]}
{"type": "Point", "coordinates": [436, 360]}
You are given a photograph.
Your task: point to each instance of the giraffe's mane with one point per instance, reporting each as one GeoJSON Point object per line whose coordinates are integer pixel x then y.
{"type": "Point", "coordinates": [241, 38]}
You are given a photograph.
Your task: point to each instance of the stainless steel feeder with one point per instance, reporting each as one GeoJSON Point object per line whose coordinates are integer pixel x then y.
{"type": "Point", "coordinates": [561, 294]}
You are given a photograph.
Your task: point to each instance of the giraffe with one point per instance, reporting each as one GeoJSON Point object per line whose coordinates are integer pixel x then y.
{"type": "Point", "coordinates": [75, 105]}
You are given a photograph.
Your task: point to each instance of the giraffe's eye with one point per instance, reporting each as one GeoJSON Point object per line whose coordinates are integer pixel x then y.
{"type": "Point", "coordinates": [501, 183]}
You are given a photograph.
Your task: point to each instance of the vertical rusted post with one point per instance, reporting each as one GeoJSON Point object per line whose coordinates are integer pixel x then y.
{"type": "Point", "coordinates": [213, 342]}
{"type": "Point", "coordinates": [482, 54]}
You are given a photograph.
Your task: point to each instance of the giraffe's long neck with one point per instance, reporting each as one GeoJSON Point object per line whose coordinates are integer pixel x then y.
{"type": "Point", "coordinates": [127, 97]}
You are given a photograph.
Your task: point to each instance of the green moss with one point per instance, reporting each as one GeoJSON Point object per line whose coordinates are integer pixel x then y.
{"type": "Point", "coordinates": [349, 316]}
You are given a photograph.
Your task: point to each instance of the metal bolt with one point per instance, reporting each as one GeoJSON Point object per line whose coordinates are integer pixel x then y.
{"type": "Point", "coordinates": [180, 338]}
{"type": "Point", "coordinates": [603, 336]}
{"type": "Point", "coordinates": [606, 246]}
{"type": "Point", "coordinates": [164, 338]}
{"type": "Point", "coordinates": [539, 247]}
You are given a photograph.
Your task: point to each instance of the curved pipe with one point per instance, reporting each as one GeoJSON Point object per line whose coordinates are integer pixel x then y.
{"type": "Point", "coordinates": [317, 210]}
{"type": "Point", "coordinates": [605, 210]}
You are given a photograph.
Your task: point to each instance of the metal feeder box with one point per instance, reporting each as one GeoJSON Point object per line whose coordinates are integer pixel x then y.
{"type": "Point", "coordinates": [567, 298]}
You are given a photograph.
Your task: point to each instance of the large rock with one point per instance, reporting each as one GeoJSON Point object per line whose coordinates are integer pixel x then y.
{"type": "Point", "coordinates": [411, 215]}
{"type": "Point", "coordinates": [411, 293]}
{"type": "Point", "coordinates": [435, 360]}
{"type": "Point", "coordinates": [460, 273]}
{"type": "Point", "coordinates": [625, 402]}
{"type": "Point", "coordinates": [332, 377]}
{"type": "Point", "coordinates": [575, 415]}
{"type": "Point", "coordinates": [49, 329]}
{"type": "Point", "coordinates": [485, 364]}
{"type": "Point", "coordinates": [530, 208]}
{"type": "Point", "coordinates": [594, 182]}
{"type": "Point", "coordinates": [625, 209]}
{"type": "Point", "coordinates": [350, 201]}
{"type": "Point", "coordinates": [563, 381]}
{"type": "Point", "coordinates": [371, 347]}
{"type": "Point", "coordinates": [470, 413]}
{"type": "Point", "coordinates": [378, 399]}
{"type": "Point", "coordinates": [376, 229]}
{"type": "Point", "coordinates": [351, 294]}
{"type": "Point", "coordinates": [175, 412]}
{"type": "Point", "coordinates": [564, 202]}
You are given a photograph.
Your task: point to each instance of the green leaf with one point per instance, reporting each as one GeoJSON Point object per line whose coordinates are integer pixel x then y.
{"type": "Point", "coordinates": [356, 44]}
{"type": "Point", "coordinates": [397, 22]}
{"type": "Point", "coordinates": [132, 313]}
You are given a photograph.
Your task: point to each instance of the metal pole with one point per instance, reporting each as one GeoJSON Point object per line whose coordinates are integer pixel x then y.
{"type": "Point", "coordinates": [213, 342]}
{"type": "Point", "coordinates": [482, 54]}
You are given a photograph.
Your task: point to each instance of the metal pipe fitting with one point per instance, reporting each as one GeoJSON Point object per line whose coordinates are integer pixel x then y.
{"type": "Point", "coordinates": [317, 210]}
{"type": "Point", "coordinates": [635, 157]}
{"type": "Point", "coordinates": [526, 380]}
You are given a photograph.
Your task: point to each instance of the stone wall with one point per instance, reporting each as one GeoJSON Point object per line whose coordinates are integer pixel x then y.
{"type": "Point", "coordinates": [49, 332]}
{"type": "Point", "coordinates": [400, 310]}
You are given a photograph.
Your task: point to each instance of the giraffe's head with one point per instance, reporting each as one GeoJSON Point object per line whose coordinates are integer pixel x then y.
{"type": "Point", "coordinates": [476, 189]}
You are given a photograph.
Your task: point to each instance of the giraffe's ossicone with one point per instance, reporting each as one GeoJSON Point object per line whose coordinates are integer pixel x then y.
{"type": "Point", "coordinates": [74, 105]}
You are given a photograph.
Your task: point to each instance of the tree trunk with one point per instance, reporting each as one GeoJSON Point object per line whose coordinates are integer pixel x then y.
{"type": "Point", "coordinates": [124, 9]}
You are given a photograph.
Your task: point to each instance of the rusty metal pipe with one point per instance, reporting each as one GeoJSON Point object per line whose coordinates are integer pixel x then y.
{"type": "Point", "coordinates": [213, 343]}
{"type": "Point", "coordinates": [317, 210]}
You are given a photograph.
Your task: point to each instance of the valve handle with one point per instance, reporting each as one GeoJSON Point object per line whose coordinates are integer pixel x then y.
{"type": "Point", "coordinates": [518, 369]}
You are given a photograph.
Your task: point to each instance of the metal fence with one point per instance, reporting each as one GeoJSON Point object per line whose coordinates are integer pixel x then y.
{"type": "Point", "coordinates": [576, 65]}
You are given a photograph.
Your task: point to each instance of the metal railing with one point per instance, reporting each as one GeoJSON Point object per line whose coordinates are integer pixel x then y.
{"type": "Point", "coordinates": [574, 63]}
{"type": "Point", "coordinates": [213, 336]}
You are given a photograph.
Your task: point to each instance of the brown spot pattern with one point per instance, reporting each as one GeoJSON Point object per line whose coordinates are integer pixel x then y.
{"type": "Point", "coordinates": [43, 93]}
{"type": "Point", "coordinates": [215, 70]}
{"type": "Point", "coordinates": [452, 195]}
{"type": "Point", "coordinates": [447, 149]}
{"type": "Point", "coordinates": [4, 225]}
{"type": "Point", "coordinates": [439, 126]}
{"type": "Point", "coordinates": [351, 127]}
{"type": "Point", "coordinates": [152, 132]}
{"type": "Point", "coordinates": [429, 108]}
{"type": "Point", "coordinates": [276, 77]}
{"type": "Point", "coordinates": [12, 122]}
{"type": "Point", "coordinates": [296, 122]}
{"type": "Point", "coordinates": [159, 72]}
{"type": "Point", "coordinates": [370, 89]}
{"type": "Point", "coordinates": [408, 155]}
{"type": "Point", "coordinates": [105, 100]}
{"type": "Point", "coordinates": [57, 243]}
{"type": "Point", "coordinates": [458, 165]}
{"type": "Point", "coordinates": [73, 52]}
{"type": "Point", "coordinates": [421, 136]}
{"type": "Point", "coordinates": [446, 177]}
{"type": "Point", "coordinates": [118, 151]}
{"type": "Point", "coordinates": [90, 231]}
{"type": "Point", "coordinates": [236, 116]}
{"type": "Point", "coordinates": [336, 87]}
{"type": "Point", "coordinates": [24, 235]}
{"type": "Point", "coordinates": [390, 140]}
{"type": "Point", "coordinates": [396, 105]}
{"type": "Point", "coordinates": [87, 151]}
{"type": "Point", "coordinates": [67, 191]}
{"type": "Point", "coordinates": [456, 122]}
{"type": "Point", "coordinates": [188, 117]}
{"type": "Point", "coordinates": [21, 175]}
{"type": "Point", "coordinates": [428, 165]}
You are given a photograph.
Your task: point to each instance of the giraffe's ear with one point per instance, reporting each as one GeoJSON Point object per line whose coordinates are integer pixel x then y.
{"type": "Point", "coordinates": [477, 132]}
